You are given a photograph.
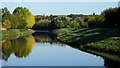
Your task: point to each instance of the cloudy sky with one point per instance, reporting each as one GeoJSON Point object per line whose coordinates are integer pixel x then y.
{"type": "Point", "coordinates": [59, 0]}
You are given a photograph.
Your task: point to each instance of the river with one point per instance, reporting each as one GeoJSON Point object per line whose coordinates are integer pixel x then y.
{"type": "Point", "coordinates": [43, 49]}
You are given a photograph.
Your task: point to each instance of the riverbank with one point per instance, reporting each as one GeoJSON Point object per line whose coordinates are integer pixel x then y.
{"type": "Point", "coordinates": [99, 39]}
{"type": "Point", "coordinates": [14, 33]}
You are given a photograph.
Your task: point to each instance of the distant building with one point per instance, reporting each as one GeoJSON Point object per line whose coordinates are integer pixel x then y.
{"type": "Point", "coordinates": [3, 28]}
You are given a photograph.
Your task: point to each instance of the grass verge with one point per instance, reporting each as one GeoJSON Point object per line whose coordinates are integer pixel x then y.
{"type": "Point", "coordinates": [14, 33]}
{"type": "Point", "coordinates": [100, 39]}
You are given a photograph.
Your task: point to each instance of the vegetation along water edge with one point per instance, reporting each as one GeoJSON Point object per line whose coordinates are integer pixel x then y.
{"type": "Point", "coordinates": [15, 33]}
{"type": "Point", "coordinates": [100, 39]}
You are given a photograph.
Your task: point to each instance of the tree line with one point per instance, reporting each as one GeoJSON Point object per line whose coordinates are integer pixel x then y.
{"type": "Point", "coordinates": [60, 21]}
{"type": "Point", "coordinates": [21, 18]}
{"type": "Point", "coordinates": [109, 18]}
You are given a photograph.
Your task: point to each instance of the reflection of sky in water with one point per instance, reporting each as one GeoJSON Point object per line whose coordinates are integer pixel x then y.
{"type": "Point", "coordinates": [0, 58]}
{"type": "Point", "coordinates": [0, 63]}
{"type": "Point", "coordinates": [55, 55]}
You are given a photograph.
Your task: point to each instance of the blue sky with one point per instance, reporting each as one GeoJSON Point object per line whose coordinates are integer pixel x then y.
{"type": "Point", "coordinates": [64, 8]}
{"type": "Point", "coordinates": [59, 0]}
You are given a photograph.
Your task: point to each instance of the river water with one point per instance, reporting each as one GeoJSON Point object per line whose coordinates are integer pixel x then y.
{"type": "Point", "coordinates": [42, 49]}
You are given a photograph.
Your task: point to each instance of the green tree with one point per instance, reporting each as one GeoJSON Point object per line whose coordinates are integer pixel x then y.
{"type": "Point", "coordinates": [43, 23]}
{"type": "Point", "coordinates": [25, 16]}
{"type": "Point", "coordinates": [96, 21]}
{"type": "Point", "coordinates": [61, 21]}
{"type": "Point", "coordinates": [74, 24]}
{"type": "Point", "coordinates": [6, 16]}
{"type": "Point", "coordinates": [112, 16]}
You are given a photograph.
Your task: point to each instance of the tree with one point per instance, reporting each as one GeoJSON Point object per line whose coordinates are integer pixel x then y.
{"type": "Point", "coordinates": [7, 24]}
{"type": "Point", "coordinates": [7, 16]}
{"type": "Point", "coordinates": [0, 15]}
{"type": "Point", "coordinates": [96, 21]}
{"type": "Point", "coordinates": [43, 23]}
{"type": "Point", "coordinates": [4, 10]}
{"type": "Point", "coordinates": [112, 16]}
{"type": "Point", "coordinates": [74, 24]}
{"type": "Point", "coordinates": [12, 18]}
{"type": "Point", "coordinates": [0, 24]}
{"type": "Point", "coordinates": [15, 21]}
{"type": "Point", "coordinates": [25, 16]}
{"type": "Point", "coordinates": [61, 21]}
{"type": "Point", "coordinates": [93, 14]}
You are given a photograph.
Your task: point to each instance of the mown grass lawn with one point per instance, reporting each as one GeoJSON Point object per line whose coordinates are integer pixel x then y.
{"type": "Point", "coordinates": [105, 39]}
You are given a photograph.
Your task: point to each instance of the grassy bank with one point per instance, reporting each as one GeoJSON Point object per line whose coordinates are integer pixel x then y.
{"type": "Point", "coordinates": [100, 39]}
{"type": "Point", "coordinates": [14, 33]}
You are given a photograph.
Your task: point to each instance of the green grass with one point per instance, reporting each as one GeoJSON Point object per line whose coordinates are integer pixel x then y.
{"type": "Point", "coordinates": [102, 39]}
{"type": "Point", "coordinates": [12, 34]}
{"type": "Point", "coordinates": [105, 55]}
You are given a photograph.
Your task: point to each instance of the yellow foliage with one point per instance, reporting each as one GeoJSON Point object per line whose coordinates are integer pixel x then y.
{"type": "Point", "coordinates": [7, 24]}
{"type": "Point", "coordinates": [30, 20]}
{"type": "Point", "coordinates": [7, 45]}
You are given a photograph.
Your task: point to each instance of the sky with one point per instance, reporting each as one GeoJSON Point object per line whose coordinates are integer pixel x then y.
{"type": "Point", "coordinates": [59, 0]}
{"type": "Point", "coordinates": [61, 8]}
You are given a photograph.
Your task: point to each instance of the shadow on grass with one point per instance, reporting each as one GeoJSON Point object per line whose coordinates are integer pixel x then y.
{"type": "Point", "coordinates": [83, 30]}
{"type": "Point", "coordinates": [95, 35]}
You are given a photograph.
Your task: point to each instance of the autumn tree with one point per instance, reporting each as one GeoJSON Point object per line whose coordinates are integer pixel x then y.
{"type": "Point", "coordinates": [7, 24]}
{"type": "Point", "coordinates": [7, 16]}
{"type": "Point", "coordinates": [25, 16]}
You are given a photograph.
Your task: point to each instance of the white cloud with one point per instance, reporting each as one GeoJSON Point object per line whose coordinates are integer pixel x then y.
{"type": "Point", "coordinates": [59, 0]}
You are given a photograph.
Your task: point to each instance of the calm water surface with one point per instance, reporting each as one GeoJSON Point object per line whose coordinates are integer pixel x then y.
{"type": "Point", "coordinates": [42, 49]}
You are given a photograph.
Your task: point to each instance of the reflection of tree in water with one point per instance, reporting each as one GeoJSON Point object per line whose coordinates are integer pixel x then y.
{"type": "Point", "coordinates": [45, 37]}
{"type": "Point", "coordinates": [20, 47]}
{"type": "Point", "coordinates": [111, 64]}
{"type": "Point", "coordinates": [110, 60]}
{"type": "Point", "coordinates": [0, 51]}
